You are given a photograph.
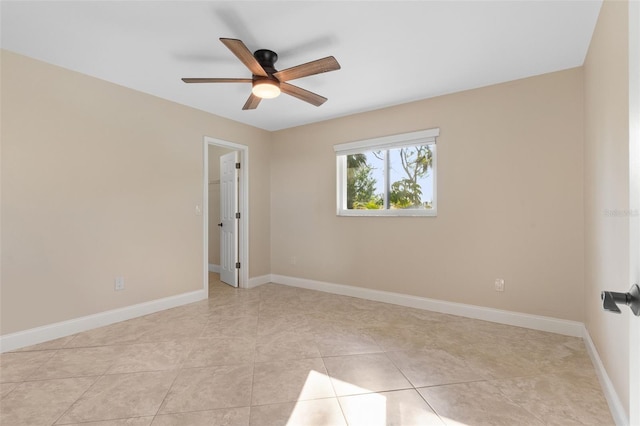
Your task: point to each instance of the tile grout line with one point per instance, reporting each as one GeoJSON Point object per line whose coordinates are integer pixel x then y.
{"type": "Point", "coordinates": [173, 382]}
{"type": "Point", "coordinates": [400, 371]}
{"type": "Point", "coordinates": [179, 370]}
{"type": "Point", "coordinates": [515, 403]}
{"type": "Point", "coordinates": [40, 367]}
{"type": "Point", "coordinates": [335, 393]}
{"type": "Point", "coordinates": [255, 356]}
{"type": "Point", "coordinates": [432, 407]}
{"type": "Point", "coordinates": [78, 399]}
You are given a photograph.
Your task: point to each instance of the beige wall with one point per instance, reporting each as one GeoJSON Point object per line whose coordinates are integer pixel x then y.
{"type": "Point", "coordinates": [214, 202]}
{"type": "Point", "coordinates": [509, 201]}
{"type": "Point", "coordinates": [100, 181]}
{"type": "Point", "coordinates": [607, 187]}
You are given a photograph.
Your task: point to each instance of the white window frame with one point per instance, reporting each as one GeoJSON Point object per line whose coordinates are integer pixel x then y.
{"type": "Point", "coordinates": [422, 137]}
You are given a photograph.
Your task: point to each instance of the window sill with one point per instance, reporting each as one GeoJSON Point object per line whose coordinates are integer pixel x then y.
{"type": "Point", "coordinates": [389, 213]}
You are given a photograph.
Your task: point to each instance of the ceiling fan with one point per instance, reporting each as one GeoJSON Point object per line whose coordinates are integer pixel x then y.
{"type": "Point", "coordinates": [267, 82]}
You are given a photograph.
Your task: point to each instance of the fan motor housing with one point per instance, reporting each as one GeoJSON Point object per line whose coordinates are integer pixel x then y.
{"type": "Point", "coordinates": [266, 58]}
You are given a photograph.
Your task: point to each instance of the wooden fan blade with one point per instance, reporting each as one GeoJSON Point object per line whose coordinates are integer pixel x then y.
{"type": "Point", "coordinates": [302, 94]}
{"type": "Point", "coordinates": [238, 48]}
{"type": "Point", "coordinates": [310, 68]}
{"type": "Point", "coordinates": [217, 80]}
{"type": "Point", "coordinates": [252, 102]}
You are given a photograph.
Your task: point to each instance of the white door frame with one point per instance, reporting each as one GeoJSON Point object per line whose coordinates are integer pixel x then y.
{"type": "Point", "coordinates": [243, 205]}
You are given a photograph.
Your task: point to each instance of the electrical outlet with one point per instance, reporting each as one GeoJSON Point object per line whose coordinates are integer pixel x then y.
{"type": "Point", "coordinates": [119, 284]}
{"type": "Point", "coordinates": [294, 260]}
{"type": "Point", "coordinates": [499, 284]}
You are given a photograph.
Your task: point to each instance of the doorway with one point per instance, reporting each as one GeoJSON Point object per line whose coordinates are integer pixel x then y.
{"type": "Point", "coordinates": [214, 149]}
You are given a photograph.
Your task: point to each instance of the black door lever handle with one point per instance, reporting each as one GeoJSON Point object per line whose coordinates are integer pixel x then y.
{"type": "Point", "coordinates": [220, 224]}
{"type": "Point", "coordinates": [611, 300]}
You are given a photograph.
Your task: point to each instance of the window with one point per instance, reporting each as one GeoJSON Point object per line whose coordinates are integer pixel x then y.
{"type": "Point", "coordinates": [388, 176]}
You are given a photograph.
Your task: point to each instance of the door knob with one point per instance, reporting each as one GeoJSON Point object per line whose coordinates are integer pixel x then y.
{"type": "Point", "coordinates": [611, 300]}
{"type": "Point", "coordinates": [220, 224]}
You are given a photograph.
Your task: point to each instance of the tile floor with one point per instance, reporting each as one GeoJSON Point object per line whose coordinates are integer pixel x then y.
{"type": "Point", "coordinates": [276, 355]}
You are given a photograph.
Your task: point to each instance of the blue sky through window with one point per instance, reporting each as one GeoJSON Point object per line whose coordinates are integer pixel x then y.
{"type": "Point", "coordinates": [397, 173]}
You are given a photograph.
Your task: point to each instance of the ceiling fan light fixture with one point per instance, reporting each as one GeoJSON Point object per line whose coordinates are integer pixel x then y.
{"type": "Point", "coordinates": [266, 81]}
{"type": "Point", "coordinates": [266, 89]}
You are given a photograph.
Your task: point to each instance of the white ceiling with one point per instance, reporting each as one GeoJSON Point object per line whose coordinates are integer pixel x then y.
{"type": "Point", "coordinates": [391, 52]}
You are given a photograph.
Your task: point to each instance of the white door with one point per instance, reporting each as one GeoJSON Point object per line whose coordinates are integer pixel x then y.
{"type": "Point", "coordinates": [228, 221]}
{"type": "Point", "coordinates": [634, 204]}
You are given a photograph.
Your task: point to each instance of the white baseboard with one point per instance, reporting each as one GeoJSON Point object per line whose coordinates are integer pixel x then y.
{"type": "Point", "coordinates": [214, 268]}
{"type": "Point", "coordinates": [615, 405]}
{"type": "Point", "coordinates": [535, 322]}
{"type": "Point", "coordinates": [9, 342]}
{"type": "Point", "coordinates": [257, 281]}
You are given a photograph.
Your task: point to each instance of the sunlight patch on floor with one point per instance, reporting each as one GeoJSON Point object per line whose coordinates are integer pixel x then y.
{"type": "Point", "coordinates": [347, 388]}
{"type": "Point", "coordinates": [315, 384]}
{"type": "Point", "coordinates": [371, 410]}
{"type": "Point", "coordinates": [360, 406]}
